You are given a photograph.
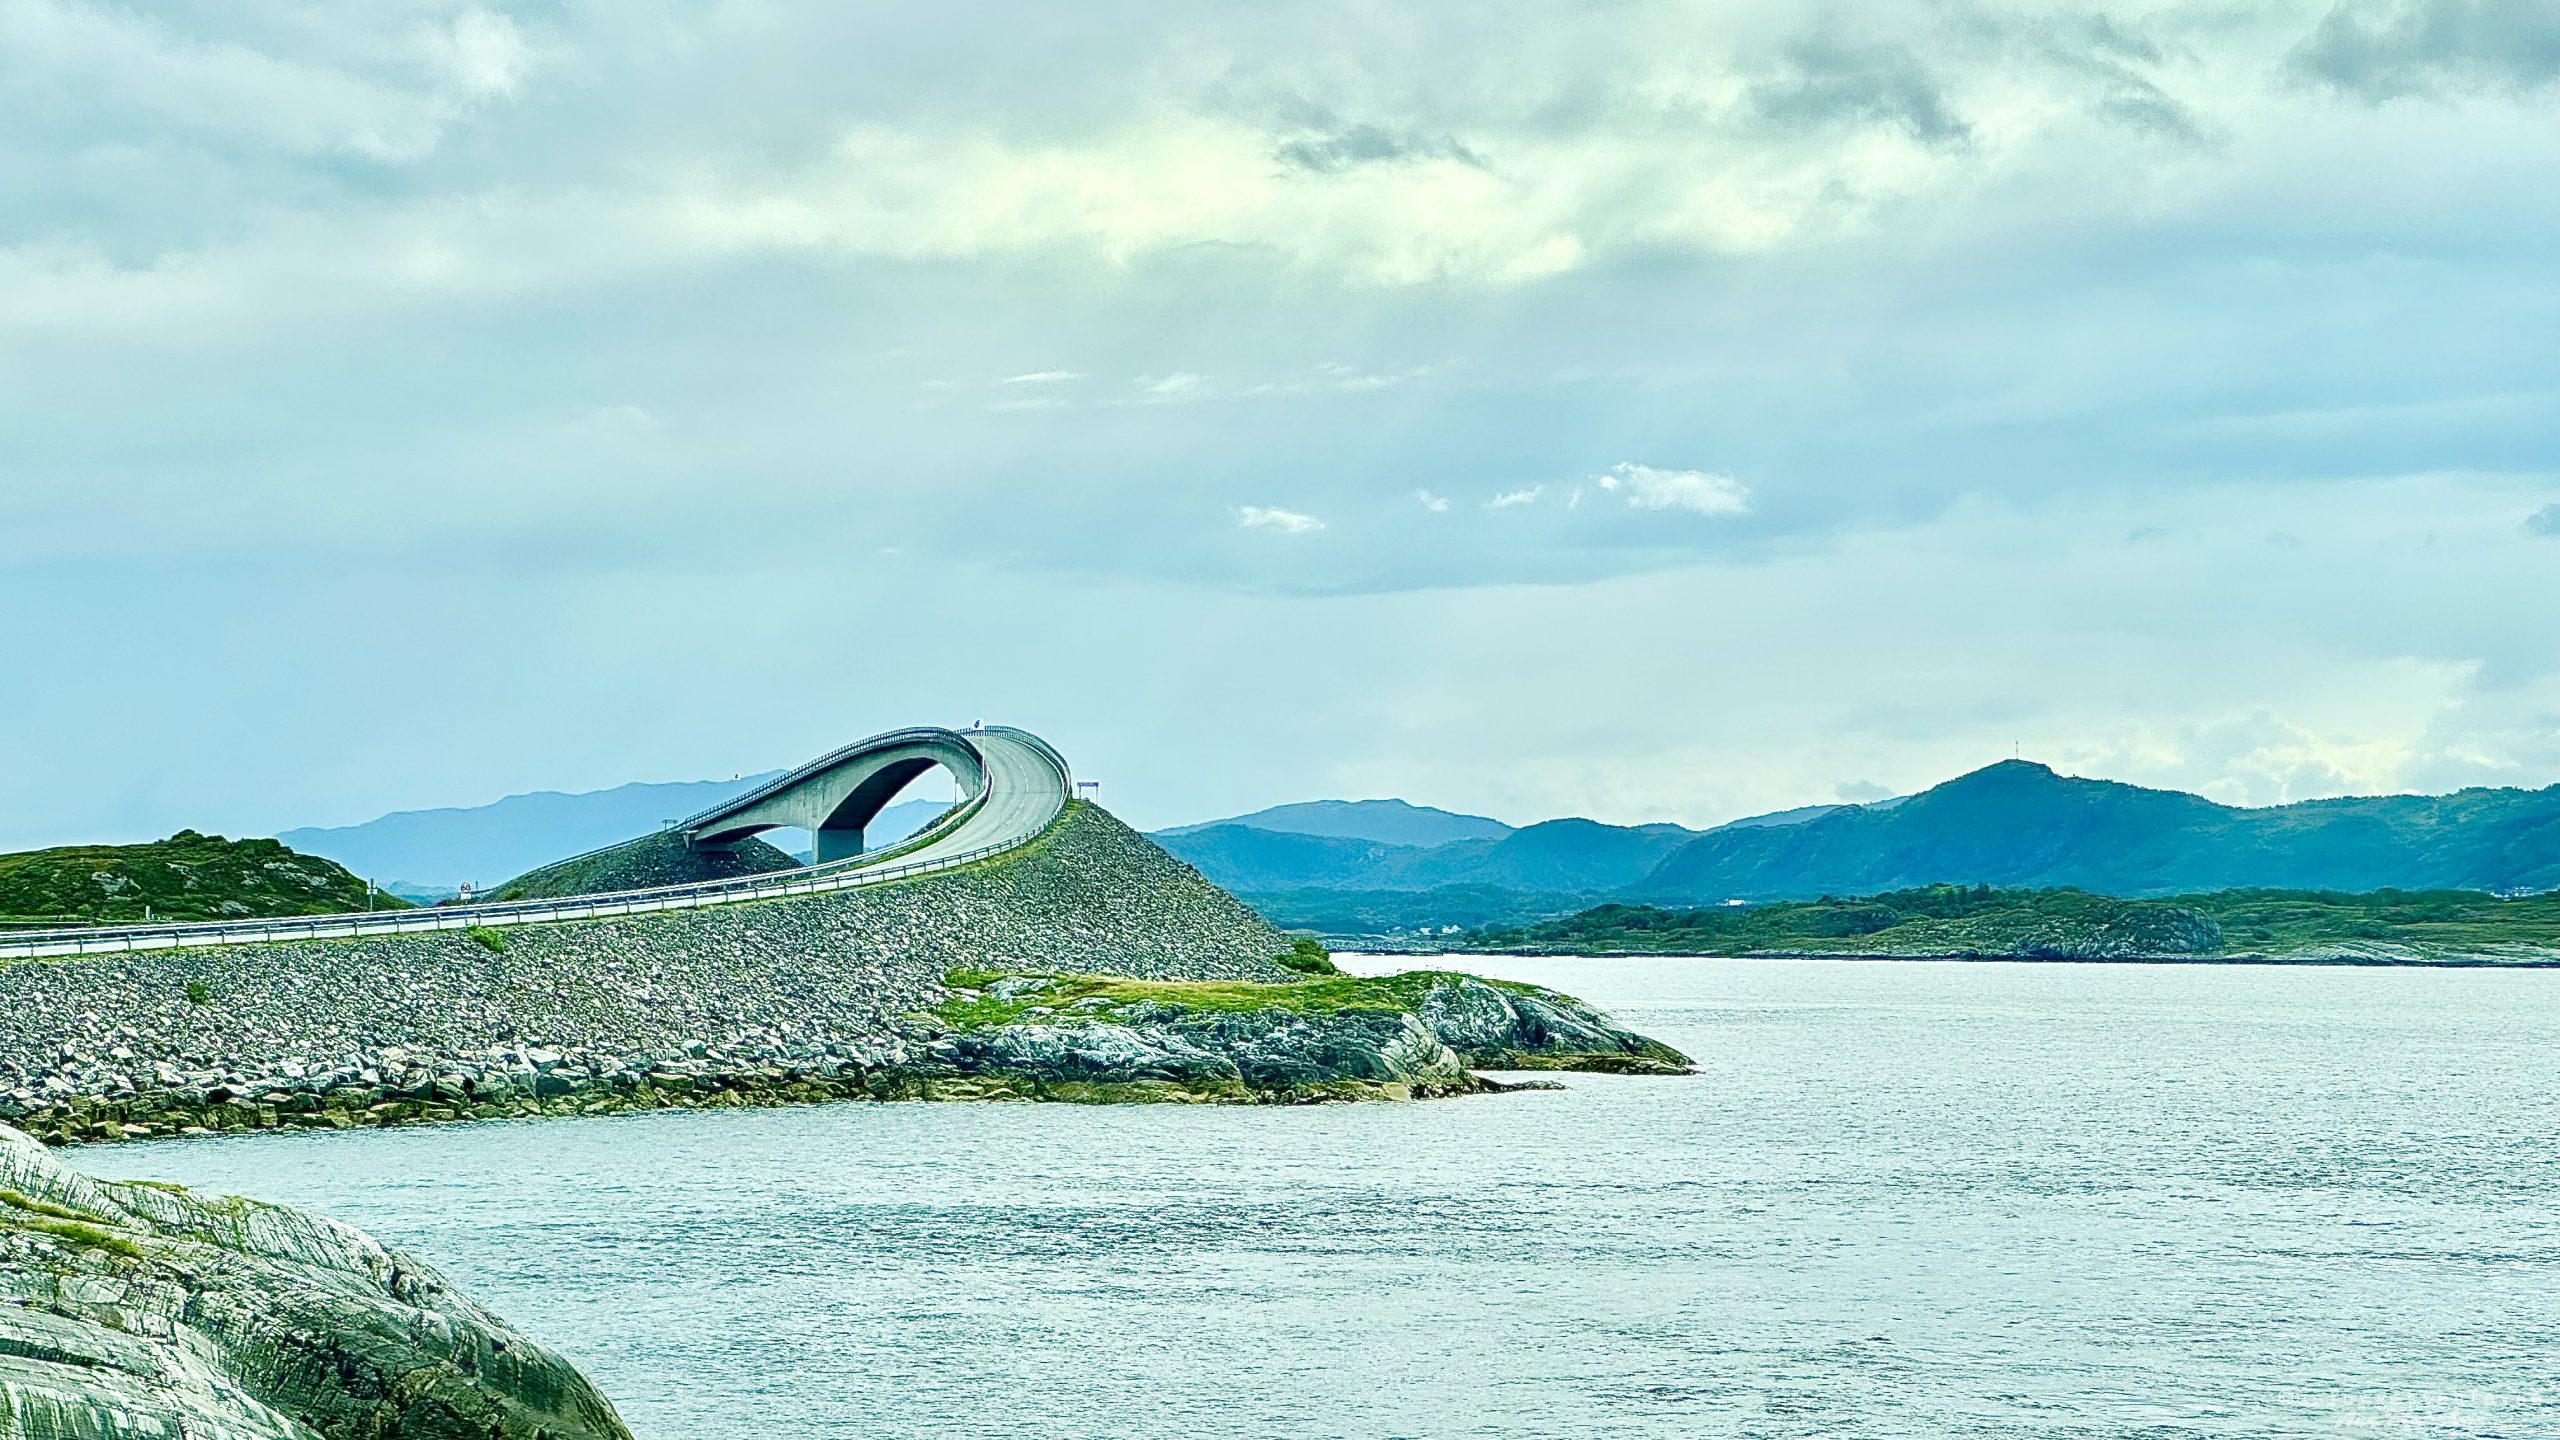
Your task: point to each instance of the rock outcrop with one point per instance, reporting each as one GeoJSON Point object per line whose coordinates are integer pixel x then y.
{"type": "Point", "coordinates": [1408, 1036]}
{"type": "Point", "coordinates": [131, 1311]}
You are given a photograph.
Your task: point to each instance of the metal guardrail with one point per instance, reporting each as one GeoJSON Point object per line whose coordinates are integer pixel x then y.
{"type": "Point", "coordinates": [846, 874]}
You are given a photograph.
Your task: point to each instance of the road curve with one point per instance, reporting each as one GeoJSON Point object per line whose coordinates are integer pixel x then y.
{"type": "Point", "coordinates": [1025, 785]}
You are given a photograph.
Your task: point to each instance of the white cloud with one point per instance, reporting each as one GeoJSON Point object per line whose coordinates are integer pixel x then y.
{"type": "Point", "coordinates": [1043, 377]}
{"type": "Point", "coordinates": [484, 52]}
{"type": "Point", "coordinates": [1436, 504]}
{"type": "Point", "coordinates": [1179, 385]}
{"type": "Point", "coordinates": [1509, 499]}
{"type": "Point", "coordinates": [1647, 488]}
{"type": "Point", "coordinates": [1272, 517]}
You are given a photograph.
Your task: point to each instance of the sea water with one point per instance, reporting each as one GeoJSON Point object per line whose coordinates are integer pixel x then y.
{"type": "Point", "coordinates": [1902, 1199]}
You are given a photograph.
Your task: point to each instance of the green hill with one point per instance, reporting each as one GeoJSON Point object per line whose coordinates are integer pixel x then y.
{"type": "Point", "coordinates": [185, 877]}
{"type": "Point", "coordinates": [2020, 824]}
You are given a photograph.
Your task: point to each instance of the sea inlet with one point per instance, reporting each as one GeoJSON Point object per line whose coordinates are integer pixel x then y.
{"type": "Point", "coordinates": [1902, 1199]}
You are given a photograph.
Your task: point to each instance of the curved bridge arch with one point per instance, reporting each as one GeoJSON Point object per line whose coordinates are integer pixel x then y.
{"type": "Point", "coordinates": [836, 796]}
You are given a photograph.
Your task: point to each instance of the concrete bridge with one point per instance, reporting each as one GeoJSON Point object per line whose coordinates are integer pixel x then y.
{"type": "Point", "coordinates": [1013, 786]}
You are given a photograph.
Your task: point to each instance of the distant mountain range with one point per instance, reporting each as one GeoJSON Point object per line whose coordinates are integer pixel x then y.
{"type": "Point", "coordinates": [427, 853]}
{"type": "Point", "coordinates": [2014, 824]}
{"type": "Point", "coordinates": [1379, 867]}
{"type": "Point", "coordinates": [1388, 822]}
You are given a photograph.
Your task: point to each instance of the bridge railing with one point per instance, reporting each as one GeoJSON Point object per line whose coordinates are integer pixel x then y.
{"type": "Point", "coordinates": [846, 874]}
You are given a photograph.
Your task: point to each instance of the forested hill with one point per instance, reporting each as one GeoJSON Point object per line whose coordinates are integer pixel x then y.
{"type": "Point", "coordinates": [185, 877]}
{"type": "Point", "coordinates": [2020, 824]}
{"type": "Point", "coordinates": [1978, 922]}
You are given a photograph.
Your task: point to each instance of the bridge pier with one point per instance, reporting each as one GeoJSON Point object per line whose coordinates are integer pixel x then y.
{"type": "Point", "coordinates": [827, 844]}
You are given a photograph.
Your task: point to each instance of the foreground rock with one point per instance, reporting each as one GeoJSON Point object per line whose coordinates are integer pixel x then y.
{"type": "Point", "coordinates": [1410, 1036]}
{"type": "Point", "coordinates": [132, 1310]}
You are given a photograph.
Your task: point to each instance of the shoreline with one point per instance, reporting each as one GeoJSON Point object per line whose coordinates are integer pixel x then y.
{"type": "Point", "coordinates": [1075, 1039]}
{"type": "Point", "coordinates": [2272, 962]}
{"type": "Point", "coordinates": [85, 1121]}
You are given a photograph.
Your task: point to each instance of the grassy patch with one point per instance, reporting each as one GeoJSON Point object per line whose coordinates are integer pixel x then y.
{"type": "Point", "coordinates": [45, 1218]}
{"type": "Point", "coordinates": [1307, 957]}
{"type": "Point", "coordinates": [199, 993]}
{"type": "Point", "coordinates": [33, 1206]}
{"type": "Point", "coordinates": [1100, 997]}
{"type": "Point", "coordinates": [490, 940]}
{"type": "Point", "coordinates": [86, 1236]}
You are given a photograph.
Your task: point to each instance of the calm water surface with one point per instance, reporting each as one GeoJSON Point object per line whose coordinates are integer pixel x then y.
{"type": "Point", "coordinates": [1904, 1199]}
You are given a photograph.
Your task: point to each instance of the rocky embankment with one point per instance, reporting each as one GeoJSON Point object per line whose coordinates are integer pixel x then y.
{"type": "Point", "coordinates": [844, 996]}
{"type": "Point", "coordinates": [792, 999]}
{"type": "Point", "coordinates": [131, 1310]}
{"type": "Point", "coordinates": [643, 864]}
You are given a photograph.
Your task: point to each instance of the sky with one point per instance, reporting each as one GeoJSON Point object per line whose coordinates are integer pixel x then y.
{"type": "Point", "coordinates": [1643, 409]}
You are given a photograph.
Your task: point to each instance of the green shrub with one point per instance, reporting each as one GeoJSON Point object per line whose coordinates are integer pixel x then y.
{"type": "Point", "coordinates": [1308, 958]}
{"type": "Point", "coordinates": [199, 993]}
{"type": "Point", "coordinates": [490, 940]}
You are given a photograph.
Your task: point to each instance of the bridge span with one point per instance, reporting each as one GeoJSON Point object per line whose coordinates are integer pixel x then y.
{"type": "Point", "coordinates": [1013, 786]}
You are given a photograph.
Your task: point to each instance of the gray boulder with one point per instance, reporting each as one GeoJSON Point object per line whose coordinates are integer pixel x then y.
{"type": "Point", "coordinates": [1524, 1027]}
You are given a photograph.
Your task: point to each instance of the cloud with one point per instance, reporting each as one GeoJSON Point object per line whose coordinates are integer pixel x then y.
{"type": "Point", "coordinates": [1861, 792]}
{"type": "Point", "coordinates": [372, 261]}
{"type": "Point", "coordinates": [1272, 517]}
{"type": "Point", "coordinates": [1436, 504]}
{"type": "Point", "coordinates": [1697, 491]}
{"type": "Point", "coordinates": [484, 52]}
{"type": "Point", "coordinates": [1369, 145]}
{"type": "Point", "coordinates": [2378, 50]}
{"type": "Point", "coordinates": [1043, 377]}
{"type": "Point", "coordinates": [1177, 386]}
{"type": "Point", "coordinates": [1512, 499]}
{"type": "Point", "coordinates": [1822, 82]}
{"type": "Point", "coordinates": [2545, 521]}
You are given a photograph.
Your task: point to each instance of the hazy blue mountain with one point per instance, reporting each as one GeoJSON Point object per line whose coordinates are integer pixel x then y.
{"type": "Point", "coordinates": [1245, 858]}
{"type": "Point", "coordinates": [2020, 824]}
{"type": "Point", "coordinates": [1554, 855]}
{"type": "Point", "coordinates": [1797, 816]}
{"type": "Point", "coordinates": [1569, 856]}
{"type": "Point", "coordinates": [1388, 822]}
{"type": "Point", "coordinates": [429, 851]}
